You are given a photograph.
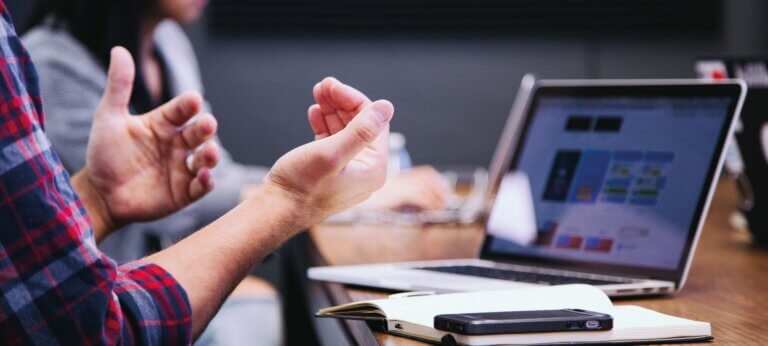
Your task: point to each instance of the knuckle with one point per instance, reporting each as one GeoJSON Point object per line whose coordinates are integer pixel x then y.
{"type": "Point", "coordinates": [120, 81]}
{"type": "Point", "coordinates": [211, 159]}
{"type": "Point", "coordinates": [365, 133]}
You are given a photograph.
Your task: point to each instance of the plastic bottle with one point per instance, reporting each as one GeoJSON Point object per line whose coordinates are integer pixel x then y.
{"type": "Point", "coordinates": [399, 159]}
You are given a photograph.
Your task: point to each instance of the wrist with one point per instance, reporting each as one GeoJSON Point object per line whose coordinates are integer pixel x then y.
{"type": "Point", "coordinates": [95, 205]}
{"type": "Point", "coordinates": [290, 209]}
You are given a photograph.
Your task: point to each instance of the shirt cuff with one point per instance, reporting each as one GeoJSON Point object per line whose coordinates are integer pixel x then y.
{"type": "Point", "coordinates": [155, 306]}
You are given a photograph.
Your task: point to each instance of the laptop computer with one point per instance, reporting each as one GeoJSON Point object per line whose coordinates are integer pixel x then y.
{"type": "Point", "coordinates": [604, 182]}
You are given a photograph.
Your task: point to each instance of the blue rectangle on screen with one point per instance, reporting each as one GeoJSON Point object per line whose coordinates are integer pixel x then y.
{"type": "Point", "coordinates": [659, 156]}
{"type": "Point", "coordinates": [592, 243]}
{"type": "Point", "coordinates": [618, 199]}
{"type": "Point", "coordinates": [621, 183]}
{"type": "Point", "coordinates": [627, 156]}
{"type": "Point", "coordinates": [645, 201]}
{"type": "Point", "coordinates": [589, 177]}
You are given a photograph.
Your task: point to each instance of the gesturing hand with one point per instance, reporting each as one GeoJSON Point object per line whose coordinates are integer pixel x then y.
{"type": "Point", "coordinates": [136, 166]}
{"type": "Point", "coordinates": [421, 188]}
{"type": "Point", "coordinates": [337, 104]}
{"type": "Point", "coordinates": [346, 163]}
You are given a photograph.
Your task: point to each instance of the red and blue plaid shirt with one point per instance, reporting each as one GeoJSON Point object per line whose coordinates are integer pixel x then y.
{"type": "Point", "coordinates": [56, 287]}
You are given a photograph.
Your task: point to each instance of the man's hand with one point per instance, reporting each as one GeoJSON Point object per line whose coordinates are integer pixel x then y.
{"type": "Point", "coordinates": [341, 168]}
{"type": "Point", "coordinates": [137, 166]}
{"type": "Point", "coordinates": [336, 105]}
{"type": "Point", "coordinates": [345, 164]}
{"type": "Point", "coordinates": [419, 189]}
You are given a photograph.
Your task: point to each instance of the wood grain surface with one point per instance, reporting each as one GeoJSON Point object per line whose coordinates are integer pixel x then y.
{"type": "Point", "coordinates": [727, 285]}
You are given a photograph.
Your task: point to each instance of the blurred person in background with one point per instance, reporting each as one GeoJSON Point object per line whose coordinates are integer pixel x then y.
{"type": "Point", "coordinates": [70, 42]}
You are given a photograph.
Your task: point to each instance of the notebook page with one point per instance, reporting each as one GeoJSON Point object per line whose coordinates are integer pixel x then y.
{"type": "Point", "coordinates": [634, 322]}
{"type": "Point", "coordinates": [631, 323]}
{"type": "Point", "coordinates": [422, 310]}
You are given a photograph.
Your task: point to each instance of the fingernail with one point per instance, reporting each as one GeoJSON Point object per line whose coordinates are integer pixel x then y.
{"type": "Point", "coordinates": [380, 111]}
{"type": "Point", "coordinates": [378, 116]}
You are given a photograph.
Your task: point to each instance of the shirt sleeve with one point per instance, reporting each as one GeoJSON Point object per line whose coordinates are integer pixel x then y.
{"type": "Point", "coordinates": [57, 287]}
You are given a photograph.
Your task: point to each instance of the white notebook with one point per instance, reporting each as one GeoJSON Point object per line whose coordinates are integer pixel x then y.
{"type": "Point", "coordinates": [414, 316]}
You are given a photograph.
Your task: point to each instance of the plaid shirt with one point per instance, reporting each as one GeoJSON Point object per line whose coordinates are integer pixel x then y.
{"type": "Point", "coordinates": [56, 287]}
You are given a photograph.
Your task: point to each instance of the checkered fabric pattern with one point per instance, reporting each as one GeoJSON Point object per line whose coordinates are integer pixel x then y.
{"type": "Point", "coordinates": [56, 287]}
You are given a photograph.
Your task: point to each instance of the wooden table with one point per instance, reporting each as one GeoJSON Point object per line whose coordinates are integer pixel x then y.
{"type": "Point", "coordinates": [727, 285]}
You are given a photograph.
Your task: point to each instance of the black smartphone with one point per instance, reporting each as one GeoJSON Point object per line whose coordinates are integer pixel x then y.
{"type": "Point", "coordinates": [524, 322]}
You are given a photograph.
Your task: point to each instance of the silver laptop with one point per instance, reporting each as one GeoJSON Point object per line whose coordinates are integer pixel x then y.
{"type": "Point", "coordinates": [599, 182]}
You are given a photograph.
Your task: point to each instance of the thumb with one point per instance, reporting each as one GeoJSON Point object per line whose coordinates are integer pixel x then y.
{"type": "Point", "coordinates": [362, 131]}
{"type": "Point", "coordinates": [122, 70]}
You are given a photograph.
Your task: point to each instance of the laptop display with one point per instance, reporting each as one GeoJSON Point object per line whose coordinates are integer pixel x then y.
{"type": "Point", "coordinates": [618, 176]}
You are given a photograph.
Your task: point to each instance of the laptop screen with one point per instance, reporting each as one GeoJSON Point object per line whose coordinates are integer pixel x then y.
{"type": "Point", "coordinates": [616, 176]}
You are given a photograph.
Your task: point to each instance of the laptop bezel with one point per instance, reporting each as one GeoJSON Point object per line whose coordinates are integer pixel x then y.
{"type": "Point", "coordinates": [521, 118]}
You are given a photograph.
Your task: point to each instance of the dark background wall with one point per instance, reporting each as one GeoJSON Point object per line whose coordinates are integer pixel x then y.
{"type": "Point", "coordinates": [452, 90]}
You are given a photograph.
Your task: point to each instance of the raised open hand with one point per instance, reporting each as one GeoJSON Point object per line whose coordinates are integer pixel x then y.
{"type": "Point", "coordinates": [137, 167]}
{"type": "Point", "coordinates": [346, 163]}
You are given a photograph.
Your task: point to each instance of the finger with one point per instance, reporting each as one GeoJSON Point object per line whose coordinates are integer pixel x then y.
{"type": "Point", "coordinates": [335, 125]}
{"type": "Point", "coordinates": [327, 108]}
{"type": "Point", "coordinates": [436, 198]}
{"type": "Point", "coordinates": [349, 100]}
{"type": "Point", "coordinates": [425, 170]}
{"type": "Point", "coordinates": [427, 203]}
{"type": "Point", "coordinates": [430, 178]}
{"type": "Point", "coordinates": [178, 111]}
{"type": "Point", "coordinates": [316, 90]}
{"type": "Point", "coordinates": [203, 129]}
{"type": "Point", "coordinates": [339, 99]}
{"type": "Point", "coordinates": [317, 122]}
{"type": "Point", "coordinates": [363, 131]}
{"type": "Point", "coordinates": [201, 184]}
{"type": "Point", "coordinates": [417, 202]}
{"type": "Point", "coordinates": [317, 93]}
{"type": "Point", "coordinates": [433, 187]}
{"type": "Point", "coordinates": [120, 77]}
{"type": "Point", "coordinates": [323, 97]}
{"type": "Point", "coordinates": [206, 157]}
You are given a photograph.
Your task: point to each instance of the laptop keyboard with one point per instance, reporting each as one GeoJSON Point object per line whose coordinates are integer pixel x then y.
{"type": "Point", "coordinates": [520, 276]}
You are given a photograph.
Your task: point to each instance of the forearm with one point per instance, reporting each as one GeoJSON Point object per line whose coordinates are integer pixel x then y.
{"type": "Point", "coordinates": [211, 262]}
{"type": "Point", "coordinates": [95, 207]}
{"type": "Point", "coordinates": [233, 182]}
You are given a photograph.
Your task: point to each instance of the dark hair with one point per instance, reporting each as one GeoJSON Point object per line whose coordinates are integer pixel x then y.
{"type": "Point", "coordinates": [101, 25]}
